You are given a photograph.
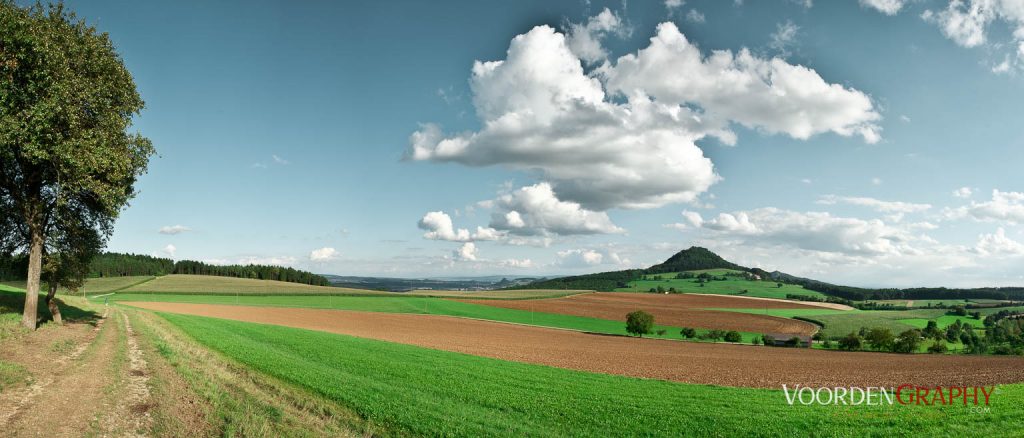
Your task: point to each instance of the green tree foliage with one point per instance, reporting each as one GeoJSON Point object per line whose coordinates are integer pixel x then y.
{"type": "Point", "coordinates": [66, 157]}
{"type": "Point", "coordinates": [880, 338]}
{"type": "Point", "coordinates": [850, 342]}
{"type": "Point", "coordinates": [907, 342]}
{"type": "Point", "coordinates": [639, 323]}
{"type": "Point", "coordinates": [938, 347]}
{"type": "Point", "coordinates": [688, 333]}
{"type": "Point", "coordinates": [733, 336]}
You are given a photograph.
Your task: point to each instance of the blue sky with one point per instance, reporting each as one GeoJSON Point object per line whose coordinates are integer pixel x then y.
{"type": "Point", "coordinates": [862, 142]}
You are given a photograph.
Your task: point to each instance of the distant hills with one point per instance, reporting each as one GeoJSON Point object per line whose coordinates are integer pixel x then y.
{"type": "Point", "coordinates": [410, 284]}
{"type": "Point", "coordinates": [697, 258]}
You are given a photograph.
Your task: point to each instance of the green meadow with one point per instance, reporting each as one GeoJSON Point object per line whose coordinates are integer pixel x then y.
{"type": "Point", "coordinates": [406, 390]}
{"type": "Point", "coordinates": [732, 285]}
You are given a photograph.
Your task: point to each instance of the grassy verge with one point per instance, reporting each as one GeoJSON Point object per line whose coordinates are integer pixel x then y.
{"type": "Point", "coordinates": [407, 390]}
{"type": "Point", "coordinates": [420, 305]}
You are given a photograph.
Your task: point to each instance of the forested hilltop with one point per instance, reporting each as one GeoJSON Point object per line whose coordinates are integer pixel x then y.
{"type": "Point", "coordinates": [697, 258]}
{"type": "Point", "coordinates": [123, 265]}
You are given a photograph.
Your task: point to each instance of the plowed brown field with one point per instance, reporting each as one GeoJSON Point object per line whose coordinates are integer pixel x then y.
{"type": "Point", "coordinates": [717, 364]}
{"type": "Point", "coordinates": [683, 310]}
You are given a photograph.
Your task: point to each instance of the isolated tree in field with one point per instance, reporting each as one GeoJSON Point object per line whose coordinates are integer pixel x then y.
{"type": "Point", "coordinates": [639, 323]}
{"type": "Point", "coordinates": [733, 336]}
{"type": "Point", "coordinates": [688, 333]}
{"type": "Point", "coordinates": [66, 103]}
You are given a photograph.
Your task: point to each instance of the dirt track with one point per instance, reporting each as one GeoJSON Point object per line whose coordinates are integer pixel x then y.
{"type": "Point", "coordinates": [683, 310]}
{"type": "Point", "coordinates": [717, 364]}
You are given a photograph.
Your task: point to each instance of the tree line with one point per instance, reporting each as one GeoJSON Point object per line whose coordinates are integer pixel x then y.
{"type": "Point", "coordinates": [124, 265]}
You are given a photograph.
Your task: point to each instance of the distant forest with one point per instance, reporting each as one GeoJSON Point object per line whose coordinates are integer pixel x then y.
{"type": "Point", "coordinates": [123, 265]}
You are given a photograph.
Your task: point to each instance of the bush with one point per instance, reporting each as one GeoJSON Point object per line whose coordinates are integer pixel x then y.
{"type": "Point", "coordinates": [715, 335]}
{"type": "Point", "coordinates": [938, 347]}
{"type": "Point", "coordinates": [757, 340]}
{"type": "Point", "coordinates": [793, 342]}
{"type": "Point", "coordinates": [662, 332]}
{"type": "Point", "coordinates": [688, 333]}
{"type": "Point", "coordinates": [850, 342]}
{"type": "Point", "coordinates": [733, 336]}
{"type": "Point", "coordinates": [827, 344]}
{"type": "Point", "coordinates": [639, 323]}
{"type": "Point", "coordinates": [768, 340]}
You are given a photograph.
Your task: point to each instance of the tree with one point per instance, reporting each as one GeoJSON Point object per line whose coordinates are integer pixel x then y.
{"type": "Point", "coordinates": [850, 342]}
{"type": "Point", "coordinates": [932, 331]}
{"type": "Point", "coordinates": [939, 347]}
{"type": "Point", "coordinates": [880, 338]}
{"type": "Point", "coordinates": [907, 342]}
{"type": "Point", "coordinates": [67, 259]}
{"type": "Point", "coordinates": [688, 333]}
{"type": "Point", "coordinates": [733, 336]}
{"type": "Point", "coordinates": [66, 103]}
{"type": "Point", "coordinates": [639, 323]}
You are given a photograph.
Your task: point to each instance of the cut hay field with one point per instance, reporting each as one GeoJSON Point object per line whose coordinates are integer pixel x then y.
{"type": "Point", "coordinates": [408, 390]}
{"type": "Point", "coordinates": [95, 285]}
{"type": "Point", "coordinates": [422, 305]}
{"type": "Point", "coordinates": [730, 286]}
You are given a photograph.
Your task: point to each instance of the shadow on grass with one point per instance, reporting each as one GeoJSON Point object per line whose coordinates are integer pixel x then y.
{"type": "Point", "coordinates": [14, 302]}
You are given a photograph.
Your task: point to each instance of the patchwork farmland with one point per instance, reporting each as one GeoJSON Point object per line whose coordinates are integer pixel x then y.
{"type": "Point", "coordinates": [347, 353]}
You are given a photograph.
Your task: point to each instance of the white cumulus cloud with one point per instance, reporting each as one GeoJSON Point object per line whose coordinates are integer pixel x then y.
{"type": "Point", "coordinates": [998, 244]}
{"type": "Point", "coordinates": [541, 112]}
{"type": "Point", "coordinates": [887, 7]}
{"type": "Point", "coordinates": [466, 252]}
{"type": "Point", "coordinates": [438, 226]}
{"type": "Point", "coordinates": [323, 254]}
{"type": "Point", "coordinates": [535, 210]}
{"type": "Point", "coordinates": [584, 39]}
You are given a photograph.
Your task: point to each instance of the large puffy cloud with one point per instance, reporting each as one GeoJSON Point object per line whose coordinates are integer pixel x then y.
{"type": "Point", "coordinates": [770, 94]}
{"type": "Point", "coordinates": [541, 112]}
{"type": "Point", "coordinates": [813, 231]}
{"type": "Point", "coordinates": [438, 226]}
{"type": "Point", "coordinates": [1004, 206]}
{"type": "Point", "coordinates": [535, 210]}
{"type": "Point", "coordinates": [876, 204]}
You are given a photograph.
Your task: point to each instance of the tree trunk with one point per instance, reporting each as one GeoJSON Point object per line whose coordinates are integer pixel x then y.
{"type": "Point", "coordinates": [35, 264]}
{"type": "Point", "coordinates": [51, 303]}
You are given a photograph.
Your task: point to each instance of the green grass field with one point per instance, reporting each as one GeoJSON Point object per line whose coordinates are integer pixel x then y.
{"type": "Point", "coordinates": [944, 321]}
{"type": "Point", "coordinates": [730, 286]}
{"type": "Point", "coordinates": [420, 305]}
{"type": "Point", "coordinates": [789, 313]}
{"type": "Point", "coordinates": [407, 390]}
{"type": "Point", "coordinates": [200, 284]}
